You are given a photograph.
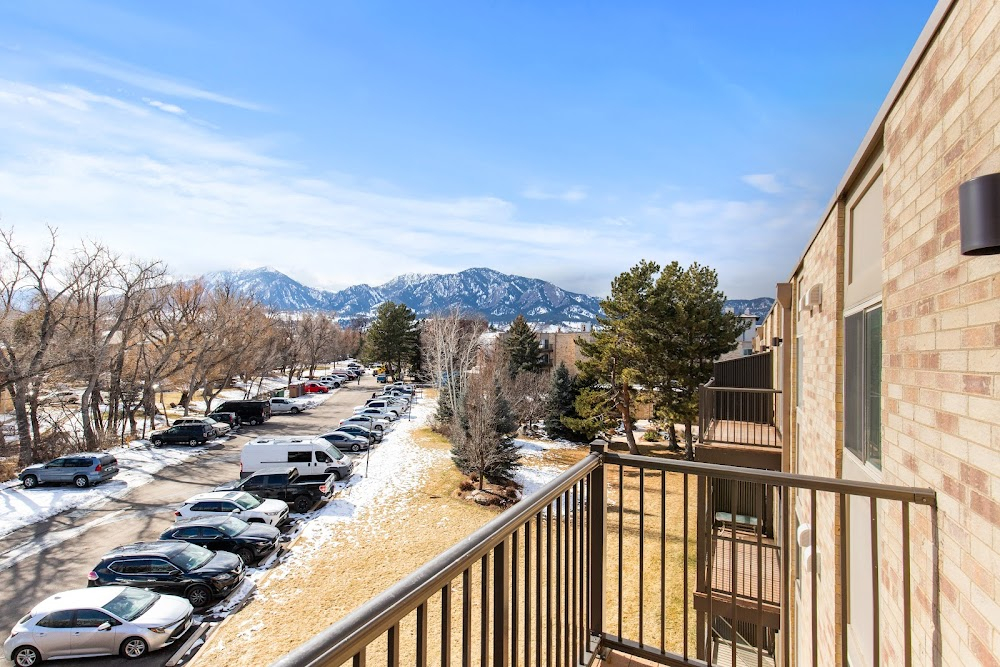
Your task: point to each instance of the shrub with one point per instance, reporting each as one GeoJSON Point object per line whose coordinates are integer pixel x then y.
{"type": "Point", "coordinates": [467, 485]}
{"type": "Point", "coordinates": [651, 436]}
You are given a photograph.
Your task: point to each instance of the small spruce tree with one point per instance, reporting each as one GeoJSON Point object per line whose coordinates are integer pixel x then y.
{"type": "Point", "coordinates": [521, 345]}
{"type": "Point", "coordinates": [562, 397]}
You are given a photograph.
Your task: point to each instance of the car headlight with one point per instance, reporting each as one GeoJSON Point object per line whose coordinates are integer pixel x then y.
{"type": "Point", "coordinates": [160, 630]}
{"type": "Point", "coordinates": [222, 577]}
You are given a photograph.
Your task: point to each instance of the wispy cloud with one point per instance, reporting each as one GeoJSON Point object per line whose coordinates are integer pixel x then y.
{"type": "Point", "coordinates": [766, 183]}
{"type": "Point", "coordinates": [164, 106]}
{"type": "Point", "coordinates": [573, 194]}
{"type": "Point", "coordinates": [146, 80]}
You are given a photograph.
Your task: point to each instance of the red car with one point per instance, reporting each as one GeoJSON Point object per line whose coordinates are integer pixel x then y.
{"type": "Point", "coordinates": [315, 388]}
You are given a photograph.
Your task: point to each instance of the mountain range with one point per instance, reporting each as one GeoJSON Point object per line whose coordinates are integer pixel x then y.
{"type": "Point", "coordinates": [499, 297]}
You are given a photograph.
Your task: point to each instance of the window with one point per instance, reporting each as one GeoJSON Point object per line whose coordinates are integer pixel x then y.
{"type": "Point", "coordinates": [863, 385]}
{"type": "Point", "coordinates": [158, 566]}
{"type": "Point", "coordinates": [136, 566]}
{"type": "Point", "coordinates": [299, 457]}
{"type": "Point", "coordinates": [91, 618]}
{"type": "Point", "coordinates": [207, 506]}
{"type": "Point", "coordinates": [57, 619]}
{"type": "Point", "coordinates": [186, 533]}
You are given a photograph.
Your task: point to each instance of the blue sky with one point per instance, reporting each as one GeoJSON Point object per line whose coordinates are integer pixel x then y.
{"type": "Point", "coordinates": [347, 142]}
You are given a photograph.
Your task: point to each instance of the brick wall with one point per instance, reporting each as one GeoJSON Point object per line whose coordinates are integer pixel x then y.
{"type": "Point", "coordinates": [816, 421]}
{"type": "Point", "coordinates": [941, 380]}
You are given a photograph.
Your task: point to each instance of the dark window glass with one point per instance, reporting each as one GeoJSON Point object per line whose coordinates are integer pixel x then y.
{"type": "Point", "coordinates": [186, 533]}
{"type": "Point", "coordinates": [873, 386]}
{"type": "Point", "coordinates": [207, 506]}
{"type": "Point", "coordinates": [863, 385]}
{"type": "Point", "coordinates": [58, 463]}
{"type": "Point", "coordinates": [91, 618]}
{"type": "Point", "coordinates": [131, 566]}
{"type": "Point", "coordinates": [299, 457]}
{"type": "Point", "coordinates": [158, 566]}
{"type": "Point", "coordinates": [58, 619]}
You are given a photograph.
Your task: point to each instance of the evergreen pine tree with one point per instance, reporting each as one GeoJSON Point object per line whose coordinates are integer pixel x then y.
{"type": "Point", "coordinates": [521, 344]}
{"type": "Point", "coordinates": [483, 442]}
{"type": "Point", "coordinates": [562, 396]}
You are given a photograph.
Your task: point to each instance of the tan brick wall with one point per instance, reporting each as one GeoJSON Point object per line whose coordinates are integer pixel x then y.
{"type": "Point", "coordinates": [941, 380]}
{"type": "Point", "coordinates": [816, 422]}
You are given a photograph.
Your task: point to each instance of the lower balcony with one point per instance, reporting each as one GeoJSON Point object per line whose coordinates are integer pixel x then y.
{"type": "Point", "coordinates": [631, 560]}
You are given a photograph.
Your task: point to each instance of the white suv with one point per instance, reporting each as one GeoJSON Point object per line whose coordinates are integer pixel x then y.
{"type": "Point", "coordinates": [280, 405]}
{"type": "Point", "coordinates": [240, 504]}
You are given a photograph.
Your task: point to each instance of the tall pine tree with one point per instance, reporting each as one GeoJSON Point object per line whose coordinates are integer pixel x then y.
{"type": "Point", "coordinates": [393, 338]}
{"type": "Point", "coordinates": [521, 344]}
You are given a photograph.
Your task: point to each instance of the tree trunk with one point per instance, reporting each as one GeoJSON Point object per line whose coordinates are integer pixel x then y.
{"type": "Point", "coordinates": [88, 428]}
{"type": "Point", "coordinates": [672, 438]}
{"type": "Point", "coordinates": [25, 449]}
{"type": "Point", "coordinates": [626, 411]}
{"type": "Point", "coordinates": [36, 429]}
{"type": "Point", "coordinates": [688, 440]}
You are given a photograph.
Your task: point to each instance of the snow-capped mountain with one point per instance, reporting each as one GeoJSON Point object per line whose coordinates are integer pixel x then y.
{"type": "Point", "coordinates": [497, 296]}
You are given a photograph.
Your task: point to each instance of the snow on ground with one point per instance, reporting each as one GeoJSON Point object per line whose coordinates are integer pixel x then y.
{"type": "Point", "coordinates": [137, 463]}
{"type": "Point", "coordinates": [385, 481]}
{"type": "Point", "coordinates": [533, 473]}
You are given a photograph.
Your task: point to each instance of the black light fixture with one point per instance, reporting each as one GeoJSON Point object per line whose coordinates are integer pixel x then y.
{"type": "Point", "coordinates": [979, 215]}
{"type": "Point", "coordinates": [775, 342]}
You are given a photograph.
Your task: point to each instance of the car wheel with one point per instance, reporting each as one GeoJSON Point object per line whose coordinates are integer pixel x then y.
{"type": "Point", "coordinates": [81, 482]}
{"type": "Point", "coordinates": [134, 647]}
{"type": "Point", "coordinates": [157, 442]}
{"type": "Point", "coordinates": [192, 442]}
{"type": "Point", "coordinates": [245, 555]}
{"type": "Point", "coordinates": [198, 596]}
{"type": "Point", "coordinates": [30, 481]}
{"type": "Point", "coordinates": [355, 447]}
{"type": "Point", "coordinates": [252, 422]}
{"type": "Point", "coordinates": [303, 504]}
{"type": "Point", "coordinates": [294, 411]}
{"type": "Point", "coordinates": [26, 656]}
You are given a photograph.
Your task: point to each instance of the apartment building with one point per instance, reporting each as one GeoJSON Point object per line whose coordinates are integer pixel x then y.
{"type": "Point", "coordinates": [890, 338]}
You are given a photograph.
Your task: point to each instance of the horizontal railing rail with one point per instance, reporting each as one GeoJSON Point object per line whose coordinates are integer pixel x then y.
{"type": "Point", "coordinates": [647, 556]}
{"type": "Point", "coordinates": [347, 639]}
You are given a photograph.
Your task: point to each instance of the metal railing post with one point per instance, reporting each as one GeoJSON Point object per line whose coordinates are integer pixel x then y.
{"type": "Point", "coordinates": [597, 513]}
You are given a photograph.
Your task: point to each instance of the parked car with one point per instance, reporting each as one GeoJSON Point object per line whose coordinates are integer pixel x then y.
{"type": "Point", "coordinates": [284, 482]}
{"type": "Point", "coordinates": [310, 455]}
{"type": "Point", "coordinates": [220, 428]}
{"type": "Point", "coordinates": [381, 378]}
{"type": "Point", "coordinates": [315, 388]}
{"type": "Point", "coordinates": [111, 620]}
{"type": "Point", "coordinates": [353, 428]}
{"type": "Point", "coordinates": [346, 442]}
{"type": "Point", "coordinates": [80, 470]}
{"type": "Point", "coordinates": [380, 404]}
{"type": "Point", "coordinates": [61, 396]}
{"type": "Point", "coordinates": [245, 506]}
{"type": "Point", "coordinates": [336, 380]}
{"type": "Point", "coordinates": [281, 405]}
{"type": "Point", "coordinates": [367, 420]}
{"type": "Point", "coordinates": [377, 413]}
{"type": "Point", "coordinates": [184, 434]}
{"type": "Point", "coordinates": [174, 568]}
{"type": "Point", "coordinates": [249, 412]}
{"type": "Point", "coordinates": [230, 418]}
{"type": "Point", "coordinates": [251, 542]}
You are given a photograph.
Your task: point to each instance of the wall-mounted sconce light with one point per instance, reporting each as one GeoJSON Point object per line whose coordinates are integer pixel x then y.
{"type": "Point", "coordinates": [775, 342]}
{"type": "Point", "coordinates": [764, 348]}
{"type": "Point", "coordinates": [979, 215]}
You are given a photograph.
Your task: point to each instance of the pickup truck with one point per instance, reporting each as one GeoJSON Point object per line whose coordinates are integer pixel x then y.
{"type": "Point", "coordinates": [301, 492]}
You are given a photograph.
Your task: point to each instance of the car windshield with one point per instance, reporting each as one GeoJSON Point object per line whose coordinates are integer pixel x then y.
{"type": "Point", "coordinates": [334, 453]}
{"type": "Point", "coordinates": [233, 526]}
{"type": "Point", "coordinates": [132, 603]}
{"type": "Point", "coordinates": [246, 501]}
{"type": "Point", "coordinates": [191, 557]}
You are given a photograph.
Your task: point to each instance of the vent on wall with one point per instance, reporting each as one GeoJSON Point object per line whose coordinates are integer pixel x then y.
{"type": "Point", "coordinates": [812, 298]}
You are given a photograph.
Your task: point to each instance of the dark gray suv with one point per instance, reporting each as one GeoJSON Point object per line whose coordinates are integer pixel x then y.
{"type": "Point", "coordinates": [81, 470]}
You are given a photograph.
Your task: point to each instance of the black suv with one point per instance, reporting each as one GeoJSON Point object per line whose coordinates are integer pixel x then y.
{"type": "Point", "coordinates": [184, 434]}
{"type": "Point", "coordinates": [249, 541]}
{"type": "Point", "coordinates": [230, 418]}
{"type": "Point", "coordinates": [174, 568]}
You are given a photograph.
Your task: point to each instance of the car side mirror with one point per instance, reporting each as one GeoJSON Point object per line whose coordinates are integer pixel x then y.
{"type": "Point", "coordinates": [104, 627]}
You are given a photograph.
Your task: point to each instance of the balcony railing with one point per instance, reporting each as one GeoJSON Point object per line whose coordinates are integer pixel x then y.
{"type": "Point", "coordinates": [738, 416]}
{"type": "Point", "coordinates": [658, 567]}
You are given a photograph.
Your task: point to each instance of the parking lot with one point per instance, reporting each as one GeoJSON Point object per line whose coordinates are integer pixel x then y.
{"type": "Point", "coordinates": [57, 553]}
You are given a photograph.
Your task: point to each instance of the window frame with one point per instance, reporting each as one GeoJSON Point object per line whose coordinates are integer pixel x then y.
{"type": "Point", "coordinates": [859, 417]}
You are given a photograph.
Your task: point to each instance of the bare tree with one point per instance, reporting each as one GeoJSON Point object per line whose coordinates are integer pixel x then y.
{"type": "Point", "coordinates": [449, 344]}
{"type": "Point", "coordinates": [528, 395]}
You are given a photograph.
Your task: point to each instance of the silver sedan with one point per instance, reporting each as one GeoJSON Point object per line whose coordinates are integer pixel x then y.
{"type": "Point", "coordinates": [107, 620]}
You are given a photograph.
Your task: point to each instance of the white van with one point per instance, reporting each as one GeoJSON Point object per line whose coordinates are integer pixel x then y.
{"type": "Point", "coordinates": [312, 456]}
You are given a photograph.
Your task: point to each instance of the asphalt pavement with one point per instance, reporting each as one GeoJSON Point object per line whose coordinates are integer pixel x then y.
{"type": "Point", "coordinates": [56, 554]}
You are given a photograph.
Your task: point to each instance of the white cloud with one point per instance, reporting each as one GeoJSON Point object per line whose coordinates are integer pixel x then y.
{"type": "Point", "coordinates": [164, 106]}
{"type": "Point", "coordinates": [573, 194]}
{"type": "Point", "coordinates": [766, 183]}
{"type": "Point", "coordinates": [147, 80]}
